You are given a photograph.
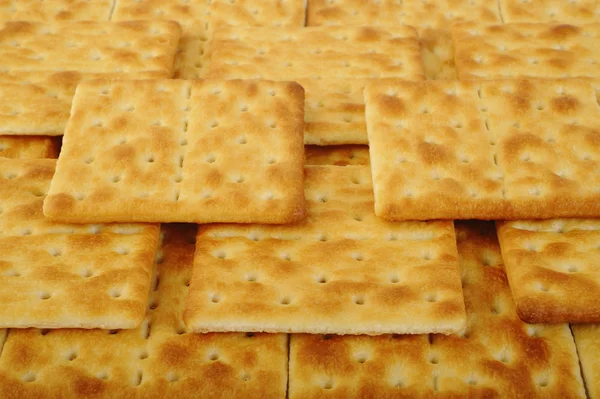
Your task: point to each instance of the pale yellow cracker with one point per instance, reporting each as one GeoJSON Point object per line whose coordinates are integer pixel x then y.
{"type": "Point", "coordinates": [89, 47]}
{"type": "Point", "coordinates": [161, 150]}
{"type": "Point", "coordinates": [497, 355]}
{"type": "Point", "coordinates": [29, 147]}
{"type": "Point", "coordinates": [587, 339]}
{"type": "Point", "coordinates": [342, 270]}
{"type": "Point", "coordinates": [573, 11]}
{"type": "Point", "coordinates": [554, 269]}
{"type": "Point", "coordinates": [316, 52]}
{"type": "Point", "coordinates": [159, 359]}
{"type": "Point", "coordinates": [432, 19]}
{"type": "Point", "coordinates": [541, 50]}
{"type": "Point", "coordinates": [192, 60]}
{"type": "Point", "coordinates": [192, 15]}
{"type": "Point", "coordinates": [497, 149]}
{"type": "Point", "coordinates": [334, 111]}
{"type": "Point", "coordinates": [55, 275]}
{"type": "Point", "coordinates": [340, 155]}
{"type": "Point", "coordinates": [256, 13]}
{"type": "Point", "coordinates": [61, 10]}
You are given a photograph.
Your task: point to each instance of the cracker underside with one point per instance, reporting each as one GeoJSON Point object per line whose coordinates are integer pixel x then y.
{"type": "Point", "coordinates": [554, 269]}
{"type": "Point", "coordinates": [495, 355]}
{"type": "Point", "coordinates": [587, 339]}
{"type": "Point", "coordinates": [161, 151]}
{"type": "Point", "coordinates": [26, 147]}
{"type": "Point", "coordinates": [341, 270]}
{"type": "Point", "coordinates": [340, 155]}
{"type": "Point", "coordinates": [70, 275]}
{"type": "Point", "coordinates": [157, 359]}
{"type": "Point", "coordinates": [540, 50]}
{"type": "Point", "coordinates": [497, 149]}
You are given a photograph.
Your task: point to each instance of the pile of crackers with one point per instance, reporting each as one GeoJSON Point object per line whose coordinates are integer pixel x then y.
{"type": "Point", "coordinates": [271, 199]}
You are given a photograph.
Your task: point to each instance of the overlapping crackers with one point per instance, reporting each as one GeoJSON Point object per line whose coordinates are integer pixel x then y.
{"type": "Point", "coordinates": [160, 151]}
{"type": "Point", "coordinates": [341, 155]}
{"type": "Point", "coordinates": [342, 270]}
{"type": "Point", "coordinates": [587, 339]}
{"type": "Point", "coordinates": [494, 149]}
{"type": "Point", "coordinates": [160, 358]}
{"type": "Point", "coordinates": [28, 147]}
{"type": "Point", "coordinates": [56, 275]}
{"type": "Point", "coordinates": [495, 355]}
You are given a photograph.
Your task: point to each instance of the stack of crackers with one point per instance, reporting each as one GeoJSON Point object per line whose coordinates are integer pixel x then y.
{"type": "Point", "coordinates": [271, 199]}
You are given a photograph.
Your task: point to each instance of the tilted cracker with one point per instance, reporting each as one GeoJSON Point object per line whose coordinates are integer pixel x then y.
{"type": "Point", "coordinates": [554, 269]}
{"type": "Point", "coordinates": [541, 50]}
{"type": "Point", "coordinates": [160, 358]}
{"type": "Point", "coordinates": [579, 11]}
{"type": "Point", "coordinates": [329, 52]}
{"type": "Point", "coordinates": [89, 47]}
{"type": "Point", "coordinates": [431, 19]}
{"type": "Point", "coordinates": [497, 355]}
{"type": "Point", "coordinates": [496, 149]}
{"type": "Point", "coordinates": [341, 155]}
{"type": "Point", "coordinates": [334, 111]}
{"type": "Point", "coordinates": [61, 10]}
{"type": "Point", "coordinates": [26, 147]}
{"type": "Point", "coordinates": [161, 150]}
{"type": "Point", "coordinates": [587, 339]}
{"type": "Point", "coordinates": [70, 275]}
{"type": "Point", "coordinates": [341, 270]}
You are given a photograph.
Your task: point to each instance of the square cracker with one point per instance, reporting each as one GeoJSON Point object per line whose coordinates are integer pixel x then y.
{"type": "Point", "coordinates": [334, 111]}
{"type": "Point", "coordinates": [341, 270]}
{"type": "Point", "coordinates": [70, 275]}
{"type": "Point", "coordinates": [541, 50]}
{"type": "Point", "coordinates": [497, 355]}
{"type": "Point", "coordinates": [316, 52]}
{"type": "Point", "coordinates": [587, 339]}
{"type": "Point", "coordinates": [554, 268]}
{"type": "Point", "coordinates": [89, 47]}
{"type": "Point", "coordinates": [159, 359]}
{"type": "Point", "coordinates": [496, 149]}
{"type": "Point", "coordinates": [61, 10]}
{"type": "Point", "coordinates": [340, 155]}
{"type": "Point", "coordinates": [579, 11]}
{"type": "Point", "coordinates": [26, 147]}
{"type": "Point", "coordinates": [186, 151]}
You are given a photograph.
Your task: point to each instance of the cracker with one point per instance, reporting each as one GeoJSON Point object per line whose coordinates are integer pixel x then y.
{"type": "Point", "coordinates": [341, 270]}
{"type": "Point", "coordinates": [70, 275]}
{"type": "Point", "coordinates": [497, 355]}
{"type": "Point", "coordinates": [160, 358]}
{"type": "Point", "coordinates": [334, 111]}
{"type": "Point", "coordinates": [579, 11]}
{"type": "Point", "coordinates": [160, 150]}
{"type": "Point", "coordinates": [554, 269]}
{"type": "Point", "coordinates": [28, 147]}
{"type": "Point", "coordinates": [61, 10]}
{"type": "Point", "coordinates": [316, 52]}
{"type": "Point", "coordinates": [192, 60]}
{"type": "Point", "coordinates": [192, 15]}
{"type": "Point", "coordinates": [587, 339]}
{"type": "Point", "coordinates": [341, 155]}
{"type": "Point", "coordinates": [497, 149]}
{"type": "Point", "coordinates": [89, 47]}
{"type": "Point", "coordinates": [431, 19]}
{"type": "Point", "coordinates": [542, 50]}
{"type": "Point", "coordinates": [256, 13]}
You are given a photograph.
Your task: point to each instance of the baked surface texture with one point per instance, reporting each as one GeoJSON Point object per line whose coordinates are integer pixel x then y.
{"type": "Point", "coordinates": [493, 149]}
{"type": "Point", "coordinates": [580, 11]}
{"type": "Point", "coordinates": [55, 10]}
{"type": "Point", "coordinates": [342, 270]}
{"type": "Point", "coordinates": [185, 151]}
{"type": "Point", "coordinates": [540, 50]}
{"type": "Point", "coordinates": [57, 275]}
{"type": "Point", "coordinates": [554, 268]}
{"type": "Point", "coordinates": [160, 358]}
{"type": "Point", "coordinates": [496, 355]}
